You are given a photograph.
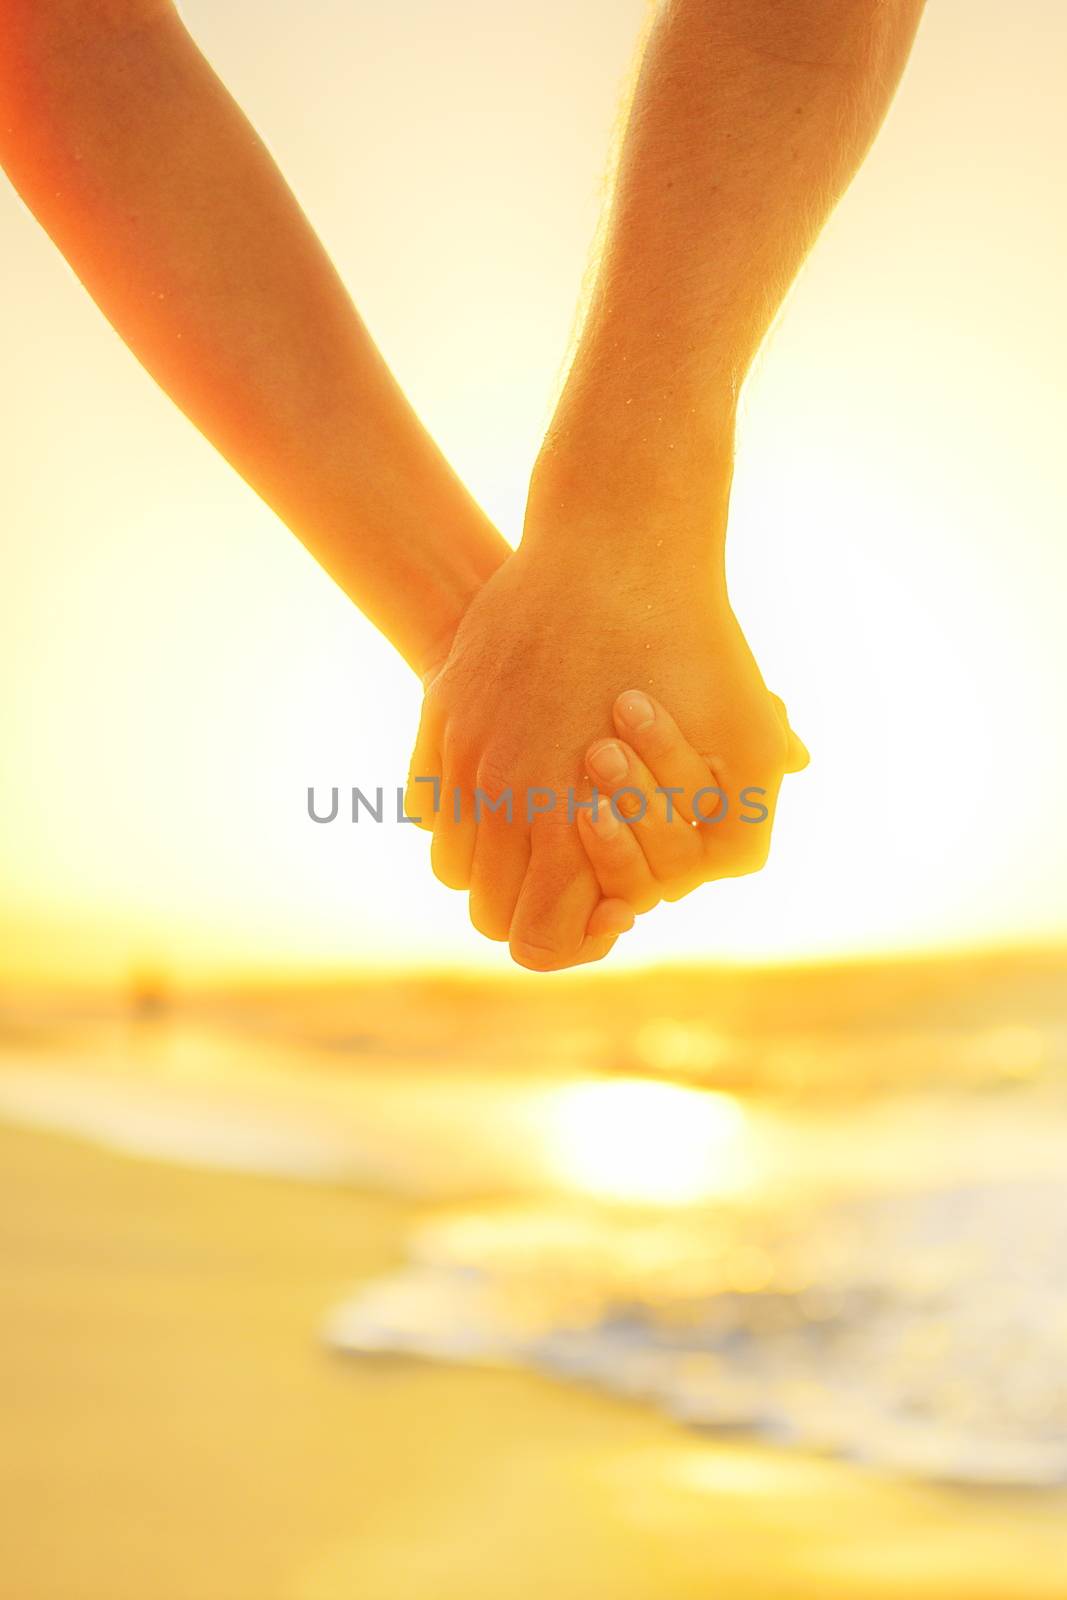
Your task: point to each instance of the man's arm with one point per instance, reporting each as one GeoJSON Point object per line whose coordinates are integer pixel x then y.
{"type": "Point", "coordinates": [131, 153]}
{"type": "Point", "coordinates": [748, 120]}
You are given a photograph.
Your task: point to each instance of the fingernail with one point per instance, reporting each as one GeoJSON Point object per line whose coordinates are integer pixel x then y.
{"type": "Point", "coordinates": [636, 710]}
{"type": "Point", "coordinates": [609, 762]}
{"type": "Point", "coordinates": [605, 823]}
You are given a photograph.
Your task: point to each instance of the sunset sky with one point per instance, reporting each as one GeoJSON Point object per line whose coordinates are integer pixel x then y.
{"type": "Point", "coordinates": [176, 671]}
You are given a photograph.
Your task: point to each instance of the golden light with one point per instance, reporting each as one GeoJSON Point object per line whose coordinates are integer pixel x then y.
{"type": "Point", "coordinates": [157, 738]}
{"type": "Point", "coordinates": [642, 1142]}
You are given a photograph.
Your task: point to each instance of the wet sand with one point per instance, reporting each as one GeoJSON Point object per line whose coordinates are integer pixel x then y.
{"type": "Point", "coordinates": [172, 1429]}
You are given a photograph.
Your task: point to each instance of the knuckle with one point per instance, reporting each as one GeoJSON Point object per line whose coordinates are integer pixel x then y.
{"type": "Point", "coordinates": [631, 881]}
{"type": "Point", "coordinates": [488, 920]}
{"type": "Point", "coordinates": [627, 803]}
{"type": "Point", "coordinates": [595, 955]}
{"type": "Point", "coordinates": [549, 833]}
{"type": "Point", "coordinates": [677, 847]}
{"type": "Point", "coordinates": [622, 859]}
{"type": "Point", "coordinates": [536, 957]}
{"type": "Point", "coordinates": [492, 775]}
{"type": "Point", "coordinates": [681, 885]}
{"type": "Point", "coordinates": [461, 751]}
{"type": "Point", "coordinates": [543, 943]}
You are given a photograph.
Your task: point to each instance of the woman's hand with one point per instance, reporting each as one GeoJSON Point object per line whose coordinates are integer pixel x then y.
{"type": "Point", "coordinates": [673, 826]}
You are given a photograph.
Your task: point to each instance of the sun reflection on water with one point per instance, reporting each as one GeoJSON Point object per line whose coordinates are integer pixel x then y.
{"type": "Point", "coordinates": [633, 1140]}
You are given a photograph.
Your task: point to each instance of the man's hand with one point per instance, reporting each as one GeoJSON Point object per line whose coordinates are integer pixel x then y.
{"type": "Point", "coordinates": [748, 121]}
{"type": "Point", "coordinates": [536, 665]}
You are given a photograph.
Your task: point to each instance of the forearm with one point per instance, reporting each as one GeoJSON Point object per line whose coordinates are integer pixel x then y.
{"type": "Point", "coordinates": [135, 159]}
{"type": "Point", "coordinates": [749, 119]}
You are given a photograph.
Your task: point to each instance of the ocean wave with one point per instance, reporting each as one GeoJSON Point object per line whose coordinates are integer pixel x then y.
{"type": "Point", "coordinates": [920, 1332]}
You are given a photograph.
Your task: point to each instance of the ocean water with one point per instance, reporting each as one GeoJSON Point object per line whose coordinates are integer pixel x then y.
{"type": "Point", "coordinates": [882, 1278]}
{"type": "Point", "coordinates": [922, 1332]}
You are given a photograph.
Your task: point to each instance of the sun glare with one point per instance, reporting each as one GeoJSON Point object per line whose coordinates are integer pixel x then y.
{"type": "Point", "coordinates": [154, 794]}
{"type": "Point", "coordinates": [647, 1143]}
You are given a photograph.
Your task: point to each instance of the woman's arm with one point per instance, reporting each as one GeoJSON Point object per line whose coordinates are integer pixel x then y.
{"type": "Point", "coordinates": [132, 155]}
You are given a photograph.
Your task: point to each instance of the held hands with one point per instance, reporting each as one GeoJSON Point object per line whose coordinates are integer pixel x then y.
{"type": "Point", "coordinates": [614, 613]}
{"type": "Point", "coordinates": [536, 663]}
{"type": "Point", "coordinates": [674, 824]}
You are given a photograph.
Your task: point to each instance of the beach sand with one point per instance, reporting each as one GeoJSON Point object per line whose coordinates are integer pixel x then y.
{"type": "Point", "coordinates": [173, 1429]}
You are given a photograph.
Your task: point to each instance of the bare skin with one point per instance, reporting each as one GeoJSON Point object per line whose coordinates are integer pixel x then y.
{"type": "Point", "coordinates": [748, 122]}
{"type": "Point", "coordinates": [510, 709]}
{"type": "Point", "coordinates": [131, 153]}
{"type": "Point", "coordinates": [136, 160]}
{"type": "Point", "coordinates": [662, 846]}
{"type": "Point", "coordinates": [123, 142]}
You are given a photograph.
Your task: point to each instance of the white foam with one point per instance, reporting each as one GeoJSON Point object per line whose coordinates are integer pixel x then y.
{"type": "Point", "coordinates": [921, 1332]}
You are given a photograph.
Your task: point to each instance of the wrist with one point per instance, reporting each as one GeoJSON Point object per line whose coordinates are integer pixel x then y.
{"type": "Point", "coordinates": [447, 599]}
{"type": "Point", "coordinates": [640, 493]}
{"type": "Point", "coordinates": [663, 396]}
{"type": "Point", "coordinates": [415, 564]}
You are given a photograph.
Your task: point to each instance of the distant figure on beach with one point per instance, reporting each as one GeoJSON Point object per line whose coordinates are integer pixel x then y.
{"type": "Point", "coordinates": [612, 622]}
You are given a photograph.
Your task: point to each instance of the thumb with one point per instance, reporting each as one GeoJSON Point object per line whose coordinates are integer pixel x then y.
{"type": "Point", "coordinates": [796, 755]}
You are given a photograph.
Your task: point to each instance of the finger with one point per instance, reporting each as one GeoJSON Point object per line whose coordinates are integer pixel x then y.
{"type": "Point", "coordinates": [501, 858]}
{"type": "Point", "coordinates": [735, 833]}
{"type": "Point", "coordinates": [593, 948]}
{"type": "Point", "coordinates": [668, 842]}
{"type": "Point", "coordinates": [454, 838]}
{"type": "Point", "coordinates": [617, 859]}
{"type": "Point", "coordinates": [558, 897]}
{"type": "Point", "coordinates": [424, 771]}
{"type": "Point", "coordinates": [652, 732]}
{"type": "Point", "coordinates": [611, 918]}
{"type": "Point", "coordinates": [797, 756]}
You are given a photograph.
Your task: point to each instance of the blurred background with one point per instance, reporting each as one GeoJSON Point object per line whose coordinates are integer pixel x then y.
{"type": "Point", "coordinates": [337, 1257]}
